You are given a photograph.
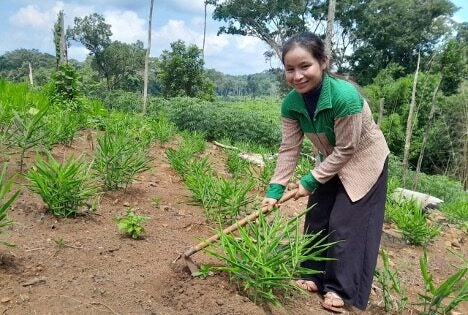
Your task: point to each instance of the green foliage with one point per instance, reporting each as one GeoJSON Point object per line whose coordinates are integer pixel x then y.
{"type": "Point", "coordinates": [411, 220]}
{"type": "Point", "coordinates": [457, 211]}
{"type": "Point", "coordinates": [67, 88]}
{"type": "Point", "coordinates": [64, 187]}
{"type": "Point", "coordinates": [266, 257]}
{"type": "Point", "coordinates": [162, 129]}
{"type": "Point", "coordinates": [62, 126]}
{"type": "Point", "coordinates": [14, 66]}
{"type": "Point", "coordinates": [204, 272]}
{"type": "Point", "coordinates": [131, 224]}
{"type": "Point", "coordinates": [5, 202]}
{"type": "Point", "coordinates": [118, 159]}
{"type": "Point", "coordinates": [390, 282]}
{"type": "Point", "coordinates": [28, 131]}
{"type": "Point", "coordinates": [181, 73]}
{"type": "Point", "coordinates": [455, 287]}
{"type": "Point", "coordinates": [218, 121]}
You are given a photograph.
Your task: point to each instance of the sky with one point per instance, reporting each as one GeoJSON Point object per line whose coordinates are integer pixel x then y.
{"type": "Point", "coordinates": [28, 24]}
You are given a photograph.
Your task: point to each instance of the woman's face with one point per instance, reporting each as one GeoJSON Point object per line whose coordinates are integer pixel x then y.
{"type": "Point", "coordinates": [303, 72]}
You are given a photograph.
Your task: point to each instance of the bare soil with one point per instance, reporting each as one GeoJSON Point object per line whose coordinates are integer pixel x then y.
{"type": "Point", "coordinates": [97, 270]}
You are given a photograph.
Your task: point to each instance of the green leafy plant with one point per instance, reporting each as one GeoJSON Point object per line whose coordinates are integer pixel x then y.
{"type": "Point", "coordinates": [390, 282]}
{"type": "Point", "coordinates": [64, 187]}
{"type": "Point", "coordinates": [454, 287]}
{"type": "Point", "coordinates": [411, 220]}
{"type": "Point", "coordinates": [457, 211]}
{"type": "Point", "coordinates": [118, 159]}
{"type": "Point", "coordinates": [131, 224]}
{"type": "Point", "coordinates": [66, 89]}
{"type": "Point", "coordinates": [162, 129]}
{"type": "Point", "coordinates": [266, 257]}
{"type": "Point", "coordinates": [28, 131]}
{"type": "Point", "coordinates": [5, 203]}
{"type": "Point", "coordinates": [204, 272]}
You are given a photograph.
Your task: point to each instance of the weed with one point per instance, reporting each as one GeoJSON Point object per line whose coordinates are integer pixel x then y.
{"type": "Point", "coordinates": [130, 224]}
{"type": "Point", "coordinates": [390, 281]}
{"type": "Point", "coordinates": [204, 272]}
{"type": "Point", "coordinates": [5, 186]}
{"type": "Point", "coordinates": [64, 187]}
{"type": "Point", "coordinates": [60, 242]}
{"type": "Point", "coordinates": [156, 201]}
{"type": "Point", "coordinates": [455, 287]}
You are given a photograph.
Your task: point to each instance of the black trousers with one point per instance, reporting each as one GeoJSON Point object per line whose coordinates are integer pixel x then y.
{"type": "Point", "coordinates": [358, 227]}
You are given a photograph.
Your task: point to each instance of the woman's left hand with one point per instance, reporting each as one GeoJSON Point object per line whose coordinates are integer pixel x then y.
{"type": "Point", "coordinates": [301, 192]}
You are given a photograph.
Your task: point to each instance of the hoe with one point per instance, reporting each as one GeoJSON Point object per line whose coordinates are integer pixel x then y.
{"type": "Point", "coordinates": [254, 215]}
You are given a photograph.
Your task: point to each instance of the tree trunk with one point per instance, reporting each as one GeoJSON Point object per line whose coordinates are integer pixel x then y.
{"type": "Point", "coordinates": [409, 122]}
{"type": "Point", "coordinates": [426, 135]}
{"type": "Point", "coordinates": [30, 74]}
{"type": "Point", "coordinates": [63, 47]}
{"type": "Point", "coordinates": [145, 79]}
{"type": "Point", "coordinates": [381, 110]}
{"type": "Point", "coordinates": [329, 32]}
{"type": "Point", "coordinates": [204, 33]}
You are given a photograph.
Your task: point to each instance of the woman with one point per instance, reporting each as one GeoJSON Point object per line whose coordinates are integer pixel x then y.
{"type": "Point", "coordinates": [347, 185]}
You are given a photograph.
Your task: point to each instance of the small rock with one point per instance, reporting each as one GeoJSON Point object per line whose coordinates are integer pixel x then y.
{"type": "Point", "coordinates": [455, 244]}
{"type": "Point", "coordinates": [220, 302]}
{"type": "Point", "coordinates": [165, 225]}
{"type": "Point", "coordinates": [34, 281]}
{"type": "Point", "coordinates": [5, 300]}
{"type": "Point", "coordinates": [126, 204]}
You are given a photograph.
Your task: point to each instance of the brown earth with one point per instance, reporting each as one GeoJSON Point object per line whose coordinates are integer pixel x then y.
{"type": "Point", "coordinates": [97, 270]}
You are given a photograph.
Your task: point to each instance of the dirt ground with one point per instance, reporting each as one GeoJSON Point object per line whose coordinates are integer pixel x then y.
{"type": "Point", "coordinates": [99, 271]}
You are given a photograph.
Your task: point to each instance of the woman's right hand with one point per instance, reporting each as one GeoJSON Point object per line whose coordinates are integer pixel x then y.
{"type": "Point", "coordinates": [268, 203]}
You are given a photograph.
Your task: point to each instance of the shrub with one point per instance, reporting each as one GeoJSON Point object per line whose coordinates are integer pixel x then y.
{"type": "Point", "coordinates": [64, 187]}
{"type": "Point", "coordinates": [219, 121]}
{"type": "Point", "coordinates": [457, 211]}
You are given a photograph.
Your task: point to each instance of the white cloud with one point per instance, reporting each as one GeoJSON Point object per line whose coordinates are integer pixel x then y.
{"type": "Point", "coordinates": [32, 16]}
{"type": "Point", "coordinates": [126, 26]}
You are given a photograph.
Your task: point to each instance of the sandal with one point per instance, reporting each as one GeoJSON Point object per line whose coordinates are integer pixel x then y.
{"type": "Point", "coordinates": [333, 302]}
{"type": "Point", "coordinates": [307, 285]}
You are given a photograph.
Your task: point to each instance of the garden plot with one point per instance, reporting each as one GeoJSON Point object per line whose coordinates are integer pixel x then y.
{"type": "Point", "coordinates": [85, 265]}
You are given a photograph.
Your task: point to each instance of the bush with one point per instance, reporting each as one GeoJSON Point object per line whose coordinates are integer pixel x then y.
{"type": "Point", "coordinates": [218, 121]}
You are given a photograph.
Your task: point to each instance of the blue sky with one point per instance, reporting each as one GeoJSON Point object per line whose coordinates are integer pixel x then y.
{"type": "Point", "coordinates": [28, 24]}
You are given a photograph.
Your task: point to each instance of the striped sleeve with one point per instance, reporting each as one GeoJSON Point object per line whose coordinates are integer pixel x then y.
{"type": "Point", "coordinates": [289, 151]}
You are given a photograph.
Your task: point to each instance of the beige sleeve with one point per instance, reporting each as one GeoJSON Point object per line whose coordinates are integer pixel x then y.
{"type": "Point", "coordinates": [291, 144]}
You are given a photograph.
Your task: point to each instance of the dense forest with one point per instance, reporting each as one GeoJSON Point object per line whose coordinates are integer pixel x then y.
{"type": "Point", "coordinates": [409, 56]}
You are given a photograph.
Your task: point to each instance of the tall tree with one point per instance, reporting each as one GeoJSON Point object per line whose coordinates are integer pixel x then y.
{"type": "Point", "coordinates": [94, 34]}
{"type": "Point", "coordinates": [145, 78]}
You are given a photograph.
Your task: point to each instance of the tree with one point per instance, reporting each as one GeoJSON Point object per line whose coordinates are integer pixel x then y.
{"type": "Point", "coordinates": [389, 31]}
{"type": "Point", "coordinates": [181, 72]}
{"type": "Point", "coordinates": [122, 64]}
{"type": "Point", "coordinates": [94, 34]}
{"type": "Point", "coordinates": [270, 21]}
{"type": "Point", "coordinates": [145, 77]}
{"type": "Point", "coordinates": [14, 65]}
